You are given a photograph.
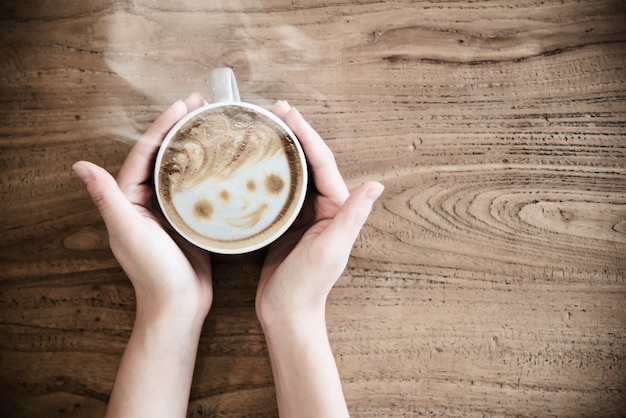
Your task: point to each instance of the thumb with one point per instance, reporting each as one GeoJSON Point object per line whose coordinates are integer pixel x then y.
{"type": "Point", "coordinates": [345, 227]}
{"type": "Point", "coordinates": [116, 210]}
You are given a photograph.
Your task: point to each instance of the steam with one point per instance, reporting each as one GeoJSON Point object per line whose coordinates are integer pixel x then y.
{"type": "Point", "coordinates": [164, 51]}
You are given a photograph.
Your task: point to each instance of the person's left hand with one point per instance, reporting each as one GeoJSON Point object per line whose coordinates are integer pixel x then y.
{"type": "Point", "coordinates": [303, 265]}
{"type": "Point", "coordinates": [171, 277]}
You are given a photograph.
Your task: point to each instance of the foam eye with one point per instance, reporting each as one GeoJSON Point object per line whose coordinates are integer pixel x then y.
{"type": "Point", "coordinates": [224, 195]}
{"type": "Point", "coordinates": [274, 184]}
{"type": "Point", "coordinates": [202, 209]}
{"type": "Point", "coordinates": [251, 186]}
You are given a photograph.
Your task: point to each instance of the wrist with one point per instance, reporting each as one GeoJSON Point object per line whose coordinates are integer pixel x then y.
{"type": "Point", "coordinates": [272, 312]}
{"type": "Point", "coordinates": [293, 326]}
{"type": "Point", "coordinates": [303, 366]}
{"type": "Point", "coordinates": [154, 377]}
{"type": "Point", "coordinates": [169, 308]}
{"type": "Point", "coordinates": [168, 337]}
{"type": "Point", "coordinates": [169, 318]}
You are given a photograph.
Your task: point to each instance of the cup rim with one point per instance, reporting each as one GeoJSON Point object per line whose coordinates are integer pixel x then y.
{"type": "Point", "coordinates": [299, 198]}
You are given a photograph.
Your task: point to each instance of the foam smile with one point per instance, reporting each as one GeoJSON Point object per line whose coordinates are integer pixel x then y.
{"type": "Point", "coordinates": [249, 220]}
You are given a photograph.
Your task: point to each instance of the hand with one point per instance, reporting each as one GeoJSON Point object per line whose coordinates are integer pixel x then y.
{"type": "Point", "coordinates": [172, 281]}
{"type": "Point", "coordinates": [303, 265]}
{"type": "Point", "coordinates": [299, 271]}
{"type": "Point", "coordinates": [169, 277]}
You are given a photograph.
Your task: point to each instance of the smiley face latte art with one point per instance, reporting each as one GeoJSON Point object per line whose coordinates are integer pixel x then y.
{"type": "Point", "coordinates": [229, 175]}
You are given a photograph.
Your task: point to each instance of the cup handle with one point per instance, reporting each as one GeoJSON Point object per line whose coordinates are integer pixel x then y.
{"type": "Point", "coordinates": [223, 85]}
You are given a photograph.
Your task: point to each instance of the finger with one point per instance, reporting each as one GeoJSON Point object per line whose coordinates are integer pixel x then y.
{"type": "Point", "coordinates": [344, 229]}
{"type": "Point", "coordinates": [118, 213]}
{"type": "Point", "coordinates": [194, 101]}
{"type": "Point", "coordinates": [326, 175]}
{"type": "Point", "coordinates": [138, 164]}
{"type": "Point", "coordinates": [281, 108]}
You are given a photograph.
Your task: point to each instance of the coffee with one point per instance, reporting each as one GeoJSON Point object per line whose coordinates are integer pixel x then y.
{"type": "Point", "coordinates": [230, 177]}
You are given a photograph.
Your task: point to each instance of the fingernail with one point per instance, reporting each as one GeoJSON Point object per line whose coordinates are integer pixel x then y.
{"type": "Point", "coordinates": [179, 103]}
{"type": "Point", "coordinates": [284, 104]}
{"type": "Point", "coordinates": [82, 173]}
{"type": "Point", "coordinates": [374, 192]}
{"type": "Point", "coordinates": [298, 115]}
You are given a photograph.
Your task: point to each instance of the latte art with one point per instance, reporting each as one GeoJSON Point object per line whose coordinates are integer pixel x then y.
{"type": "Point", "coordinates": [230, 175]}
{"type": "Point", "coordinates": [216, 146]}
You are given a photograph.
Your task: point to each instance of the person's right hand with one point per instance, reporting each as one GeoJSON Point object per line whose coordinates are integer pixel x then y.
{"type": "Point", "coordinates": [303, 265]}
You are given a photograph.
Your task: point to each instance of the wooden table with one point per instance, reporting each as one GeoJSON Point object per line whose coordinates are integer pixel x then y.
{"type": "Point", "coordinates": [491, 277]}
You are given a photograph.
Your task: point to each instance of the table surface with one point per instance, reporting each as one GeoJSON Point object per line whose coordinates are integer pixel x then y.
{"type": "Point", "coordinates": [490, 278]}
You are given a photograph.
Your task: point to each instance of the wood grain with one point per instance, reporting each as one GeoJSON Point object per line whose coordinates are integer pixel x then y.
{"type": "Point", "coordinates": [491, 277]}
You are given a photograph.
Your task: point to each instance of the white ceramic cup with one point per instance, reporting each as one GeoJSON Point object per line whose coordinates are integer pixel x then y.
{"type": "Point", "coordinates": [230, 177]}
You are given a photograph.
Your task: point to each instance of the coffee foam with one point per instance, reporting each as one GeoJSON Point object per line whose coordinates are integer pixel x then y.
{"type": "Point", "coordinates": [231, 175]}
